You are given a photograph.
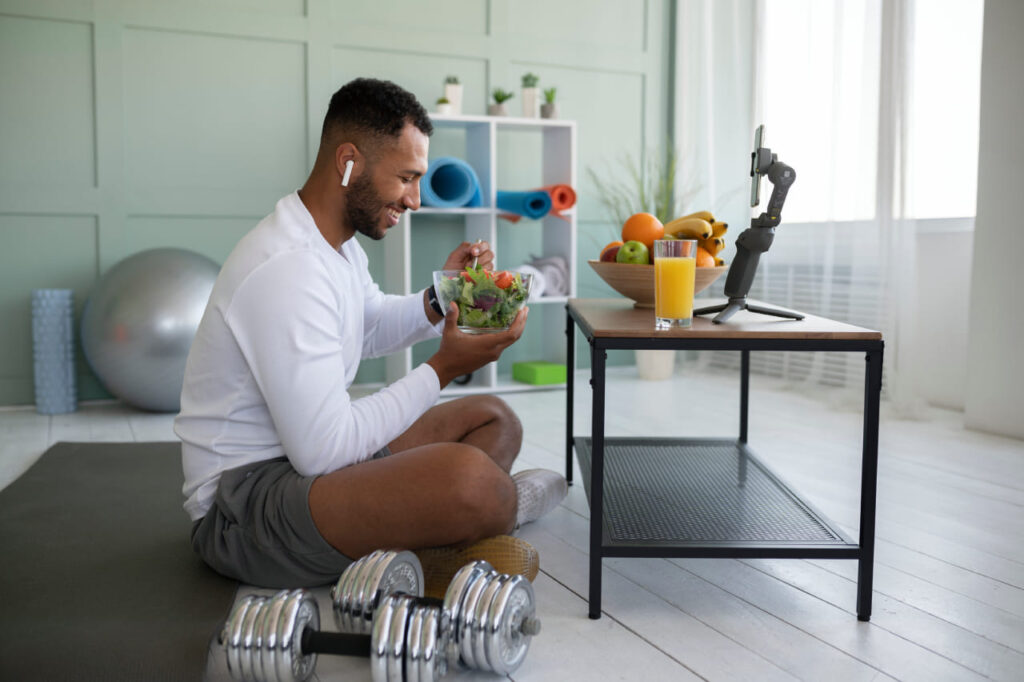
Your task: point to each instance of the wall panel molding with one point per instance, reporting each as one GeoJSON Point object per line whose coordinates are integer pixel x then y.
{"type": "Point", "coordinates": [184, 150]}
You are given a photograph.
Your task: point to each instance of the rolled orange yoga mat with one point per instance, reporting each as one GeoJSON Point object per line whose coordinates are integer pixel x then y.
{"type": "Point", "coordinates": [562, 197]}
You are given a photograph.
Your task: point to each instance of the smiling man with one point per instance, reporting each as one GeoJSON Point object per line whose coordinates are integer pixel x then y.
{"type": "Point", "coordinates": [287, 479]}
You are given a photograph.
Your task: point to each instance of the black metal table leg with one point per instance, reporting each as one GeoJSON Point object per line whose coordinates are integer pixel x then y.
{"type": "Point", "coordinates": [868, 482]}
{"type": "Point", "coordinates": [597, 362]}
{"type": "Point", "coordinates": [570, 371]}
{"type": "Point", "coordinates": [744, 392]}
{"type": "Point", "coordinates": [744, 408]}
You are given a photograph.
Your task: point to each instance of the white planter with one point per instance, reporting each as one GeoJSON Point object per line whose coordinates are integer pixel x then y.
{"type": "Point", "coordinates": [445, 109]}
{"type": "Point", "coordinates": [531, 102]}
{"type": "Point", "coordinates": [655, 365]}
{"type": "Point", "coordinates": [497, 110]}
{"type": "Point", "coordinates": [453, 93]}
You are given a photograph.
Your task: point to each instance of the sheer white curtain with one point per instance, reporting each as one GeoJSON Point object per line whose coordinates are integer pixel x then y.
{"type": "Point", "coordinates": [832, 80]}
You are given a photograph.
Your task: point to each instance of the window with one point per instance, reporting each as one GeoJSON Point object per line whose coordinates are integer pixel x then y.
{"type": "Point", "coordinates": [945, 93]}
{"type": "Point", "coordinates": [820, 82]}
{"type": "Point", "coordinates": [819, 79]}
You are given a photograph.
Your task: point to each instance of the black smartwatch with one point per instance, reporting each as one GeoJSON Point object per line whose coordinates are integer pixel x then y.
{"type": "Point", "coordinates": [432, 300]}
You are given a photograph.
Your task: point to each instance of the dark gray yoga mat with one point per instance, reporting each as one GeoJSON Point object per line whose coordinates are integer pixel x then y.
{"type": "Point", "coordinates": [97, 578]}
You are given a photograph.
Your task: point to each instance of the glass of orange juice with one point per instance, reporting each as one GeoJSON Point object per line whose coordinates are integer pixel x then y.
{"type": "Point", "coordinates": [675, 268]}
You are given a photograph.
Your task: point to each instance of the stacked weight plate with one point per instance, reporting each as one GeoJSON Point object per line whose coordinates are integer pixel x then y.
{"type": "Point", "coordinates": [363, 585]}
{"type": "Point", "coordinates": [488, 619]}
{"type": "Point", "coordinates": [263, 637]}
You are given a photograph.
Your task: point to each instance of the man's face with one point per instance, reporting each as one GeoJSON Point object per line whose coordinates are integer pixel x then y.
{"type": "Point", "coordinates": [390, 185]}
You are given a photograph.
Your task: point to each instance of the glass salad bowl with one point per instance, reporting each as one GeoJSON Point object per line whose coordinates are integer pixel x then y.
{"type": "Point", "coordinates": [488, 300]}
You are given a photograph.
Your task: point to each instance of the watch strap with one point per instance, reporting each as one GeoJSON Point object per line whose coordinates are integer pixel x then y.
{"type": "Point", "coordinates": [432, 300]}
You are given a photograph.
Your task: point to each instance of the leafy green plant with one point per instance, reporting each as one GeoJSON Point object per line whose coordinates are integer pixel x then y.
{"type": "Point", "coordinates": [530, 80]}
{"type": "Point", "coordinates": [443, 100]}
{"type": "Point", "coordinates": [502, 96]}
{"type": "Point", "coordinates": [451, 80]}
{"type": "Point", "coordinates": [643, 187]}
{"type": "Point", "coordinates": [549, 95]}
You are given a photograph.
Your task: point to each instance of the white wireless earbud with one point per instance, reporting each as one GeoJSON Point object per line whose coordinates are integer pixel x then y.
{"type": "Point", "coordinates": [348, 172]}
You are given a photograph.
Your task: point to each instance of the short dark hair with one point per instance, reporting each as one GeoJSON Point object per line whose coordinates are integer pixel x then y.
{"type": "Point", "coordinates": [377, 108]}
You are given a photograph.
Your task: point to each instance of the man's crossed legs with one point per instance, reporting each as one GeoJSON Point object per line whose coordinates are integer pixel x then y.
{"type": "Point", "coordinates": [447, 483]}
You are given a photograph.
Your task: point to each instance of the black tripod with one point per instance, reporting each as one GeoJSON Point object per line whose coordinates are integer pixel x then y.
{"type": "Point", "coordinates": [756, 239]}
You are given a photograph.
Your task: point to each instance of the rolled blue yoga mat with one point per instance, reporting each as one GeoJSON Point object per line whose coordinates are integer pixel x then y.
{"type": "Point", "coordinates": [53, 351]}
{"type": "Point", "coordinates": [534, 205]}
{"type": "Point", "coordinates": [450, 183]}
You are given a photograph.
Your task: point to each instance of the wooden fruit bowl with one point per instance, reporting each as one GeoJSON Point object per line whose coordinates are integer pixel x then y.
{"type": "Point", "coordinates": [637, 281]}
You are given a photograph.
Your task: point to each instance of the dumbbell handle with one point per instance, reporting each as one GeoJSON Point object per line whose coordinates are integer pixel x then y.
{"type": "Point", "coordinates": [335, 643]}
{"type": "Point", "coordinates": [344, 644]}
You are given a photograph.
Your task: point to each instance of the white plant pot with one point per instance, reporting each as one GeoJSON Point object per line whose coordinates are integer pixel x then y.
{"type": "Point", "coordinates": [453, 93]}
{"type": "Point", "coordinates": [655, 365]}
{"type": "Point", "coordinates": [531, 102]}
{"type": "Point", "coordinates": [497, 110]}
{"type": "Point", "coordinates": [445, 109]}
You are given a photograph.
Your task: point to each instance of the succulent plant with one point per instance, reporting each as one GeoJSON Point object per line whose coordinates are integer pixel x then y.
{"type": "Point", "coordinates": [530, 80]}
{"type": "Point", "coordinates": [501, 96]}
{"type": "Point", "coordinates": [443, 100]}
{"type": "Point", "coordinates": [549, 95]}
{"type": "Point", "coordinates": [451, 80]}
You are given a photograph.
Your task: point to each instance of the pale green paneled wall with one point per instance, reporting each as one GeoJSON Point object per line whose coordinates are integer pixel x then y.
{"type": "Point", "coordinates": [132, 124]}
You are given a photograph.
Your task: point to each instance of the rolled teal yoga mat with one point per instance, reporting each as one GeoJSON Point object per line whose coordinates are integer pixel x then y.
{"type": "Point", "coordinates": [533, 205]}
{"type": "Point", "coordinates": [450, 183]}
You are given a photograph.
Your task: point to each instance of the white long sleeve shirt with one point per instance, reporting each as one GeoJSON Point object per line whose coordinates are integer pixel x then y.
{"type": "Point", "coordinates": [278, 346]}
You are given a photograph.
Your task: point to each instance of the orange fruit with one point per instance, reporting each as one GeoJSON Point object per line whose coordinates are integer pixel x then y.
{"type": "Point", "coordinates": [704, 258]}
{"type": "Point", "coordinates": [609, 245]}
{"type": "Point", "coordinates": [643, 227]}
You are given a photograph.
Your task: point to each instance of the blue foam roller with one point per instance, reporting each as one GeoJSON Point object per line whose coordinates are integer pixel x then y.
{"type": "Point", "coordinates": [533, 205]}
{"type": "Point", "coordinates": [53, 351]}
{"type": "Point", "coordinates": [450, 183]}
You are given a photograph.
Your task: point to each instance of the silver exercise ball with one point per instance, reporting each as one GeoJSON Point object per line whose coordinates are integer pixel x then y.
{"type": "Point", "coordinates": [139, 322]}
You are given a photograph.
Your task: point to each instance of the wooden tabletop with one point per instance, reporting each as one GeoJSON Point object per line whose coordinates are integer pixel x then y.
{"type": "Point", "coordinates": [617, 318]}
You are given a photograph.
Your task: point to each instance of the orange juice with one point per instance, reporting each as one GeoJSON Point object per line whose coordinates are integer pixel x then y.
{"type": "Point", "coordinates": [673, 288]}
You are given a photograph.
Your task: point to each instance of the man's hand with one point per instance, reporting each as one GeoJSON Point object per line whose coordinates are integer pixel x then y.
{"type": "Point", "coordinates": [465, 253]}
{"type": "Point", "coordinates": [462, 353]}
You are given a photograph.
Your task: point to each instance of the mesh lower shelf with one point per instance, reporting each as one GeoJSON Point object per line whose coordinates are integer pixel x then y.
{"type": "Point", "coordinates": [698, 491]}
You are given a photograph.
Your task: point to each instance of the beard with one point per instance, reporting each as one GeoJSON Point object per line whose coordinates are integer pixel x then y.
{"type": "Point", "coordinates": [363, 208]}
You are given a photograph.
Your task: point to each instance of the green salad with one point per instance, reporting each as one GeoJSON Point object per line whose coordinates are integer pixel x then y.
{"type": "Point", "coordinates": [486, 299]}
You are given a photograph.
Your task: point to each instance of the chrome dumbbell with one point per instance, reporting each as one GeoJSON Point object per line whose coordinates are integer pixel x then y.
{"type": "Point", "coordinates": [485, 622]}
{"type": "Point", "coordinates": [276, 639]}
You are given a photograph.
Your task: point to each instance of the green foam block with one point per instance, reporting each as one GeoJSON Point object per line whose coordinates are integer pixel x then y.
{"type": "Point", "coordinates": [539, 372]}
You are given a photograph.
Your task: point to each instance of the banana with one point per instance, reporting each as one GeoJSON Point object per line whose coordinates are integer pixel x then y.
{"type": "Point", "coordinates": [689, 228]}
{"type": "Point", "coordinates": [719, 262]}
{"type": "Point", "coordinates": [712, 245]}
{"type": "Point", "coordinates": [703, 215]}
{"type": "Point", "coordinates": [718, 228]}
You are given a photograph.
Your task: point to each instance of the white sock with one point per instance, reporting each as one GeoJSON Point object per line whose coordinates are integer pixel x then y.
{"type": "Point", "coordinates": [538, 492]}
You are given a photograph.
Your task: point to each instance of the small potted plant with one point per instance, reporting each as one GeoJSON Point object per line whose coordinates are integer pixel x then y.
{"type": "Point", "coordinates": [500, 97]}
{"type": "Point", "coordinates": [549, 109]}
{"type": "Point", "coordinates": [444, 107]}
{"type": "Point", "coordinates": [531, 95]}
{"type": "Point", "coordinates": [453, 93]}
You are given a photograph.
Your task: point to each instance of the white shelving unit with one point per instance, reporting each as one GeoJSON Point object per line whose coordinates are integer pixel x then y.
{"type": "Point", "coordinates": [558, 166]}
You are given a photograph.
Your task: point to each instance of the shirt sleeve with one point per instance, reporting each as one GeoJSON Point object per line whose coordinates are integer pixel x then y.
{"type": "Point", "coordinates": [285, 318]}
{"type": "Point", "coordinates": [393, 323]}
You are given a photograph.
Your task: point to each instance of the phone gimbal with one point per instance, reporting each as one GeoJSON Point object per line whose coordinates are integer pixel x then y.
{"type": "Point", "coordinates": [756, 239]}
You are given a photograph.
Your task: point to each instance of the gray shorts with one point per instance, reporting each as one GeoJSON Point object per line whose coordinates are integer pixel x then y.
{"type": "Point", "coordinates": [260, 531]}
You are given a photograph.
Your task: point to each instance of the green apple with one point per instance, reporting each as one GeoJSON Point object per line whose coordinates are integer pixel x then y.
{"type": "Point", "coordinates": [633, 252]}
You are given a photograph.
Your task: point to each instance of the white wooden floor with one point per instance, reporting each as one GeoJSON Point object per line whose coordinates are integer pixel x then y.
{"type": "Point", "coordinates": [949, 575]}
